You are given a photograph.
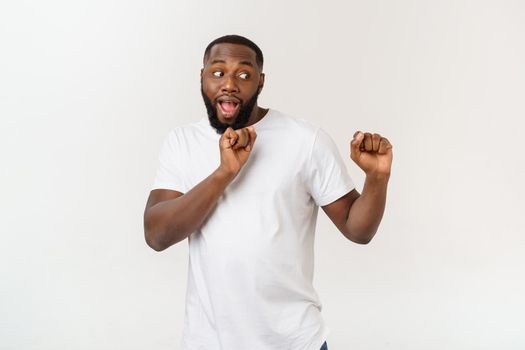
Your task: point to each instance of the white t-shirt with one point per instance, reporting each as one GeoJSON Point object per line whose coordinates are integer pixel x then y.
{"type": "Point", "coordinates": [251, 263]}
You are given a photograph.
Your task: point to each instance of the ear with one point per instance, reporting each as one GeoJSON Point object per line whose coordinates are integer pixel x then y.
{"type": "Point", "coordinates": [202, 72]}
{"type": "Point", "coordinates": [261, 82]}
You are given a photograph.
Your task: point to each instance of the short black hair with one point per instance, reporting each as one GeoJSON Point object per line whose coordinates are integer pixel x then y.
{"type": "Point", "coordinates": [240, 40]}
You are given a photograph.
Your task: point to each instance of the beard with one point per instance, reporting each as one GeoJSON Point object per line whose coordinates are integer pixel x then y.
{"type": "Point", "coordinates": [245, 110]}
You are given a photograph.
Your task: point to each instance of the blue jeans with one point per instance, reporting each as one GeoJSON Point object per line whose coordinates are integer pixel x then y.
{"type": "Point", "coordinates": [324, 347]}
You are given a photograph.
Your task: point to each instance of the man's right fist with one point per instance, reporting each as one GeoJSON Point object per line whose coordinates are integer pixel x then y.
{"type": "Point", "coordinates": [240, 138]}
{"type": "Point", "coordinates": [243, 138]}
{"type": "Point", "coordinates": [235, 147]}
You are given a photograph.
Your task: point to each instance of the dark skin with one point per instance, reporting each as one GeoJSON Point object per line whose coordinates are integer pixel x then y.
{"type": "Point", "coordinates": [231, 75]}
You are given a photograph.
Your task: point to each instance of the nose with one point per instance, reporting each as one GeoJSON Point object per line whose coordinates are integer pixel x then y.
{"type": "Point", "coordinates": [229, 85]}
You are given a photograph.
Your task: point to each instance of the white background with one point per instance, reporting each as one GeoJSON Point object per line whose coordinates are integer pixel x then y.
{"type": "Point", "coordinates": [89, 90]}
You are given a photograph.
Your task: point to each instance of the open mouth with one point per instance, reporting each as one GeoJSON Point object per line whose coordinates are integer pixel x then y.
{"type": "Point", "coordinates": [228, 108]}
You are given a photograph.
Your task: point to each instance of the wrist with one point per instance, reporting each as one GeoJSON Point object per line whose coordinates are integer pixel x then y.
{"type": "Point", "coordinates": [224, 174]}
{"type": "Point", "coordinates": [376, 177]}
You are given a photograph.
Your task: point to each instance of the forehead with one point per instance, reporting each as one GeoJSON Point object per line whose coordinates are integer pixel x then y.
{"type": "Point", "coordinates": [231, 53]}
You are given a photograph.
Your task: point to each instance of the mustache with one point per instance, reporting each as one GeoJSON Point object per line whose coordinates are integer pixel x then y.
{"type": "Point", "coordinates": [245, 111]}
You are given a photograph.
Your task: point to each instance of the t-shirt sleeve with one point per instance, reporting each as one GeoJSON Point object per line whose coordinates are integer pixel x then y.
{"type": "Point", "coordinates": [327, 176]}
{"type": "Point", "coordinates": [169, 175]}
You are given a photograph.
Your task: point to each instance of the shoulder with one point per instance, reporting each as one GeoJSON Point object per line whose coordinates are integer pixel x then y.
{"type": "Point", "coordinates": [305, 132]}
{"type": "Point", "coordinates": [191, 132]}
{"type": "Point", "coordinates": [296, 126]}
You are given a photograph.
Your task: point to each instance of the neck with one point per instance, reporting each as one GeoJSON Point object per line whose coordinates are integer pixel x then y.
{"type": "Point", "coordinates": [257, 114]}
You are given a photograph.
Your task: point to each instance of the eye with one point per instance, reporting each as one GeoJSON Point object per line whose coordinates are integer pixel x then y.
{"type": "Point", "coordinates": [244, 75]}
{"type": "Point", "coordinates": [218, 73]}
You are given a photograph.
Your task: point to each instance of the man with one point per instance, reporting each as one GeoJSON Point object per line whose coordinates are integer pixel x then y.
{"type": "Point", "coordinates": [249, 208]}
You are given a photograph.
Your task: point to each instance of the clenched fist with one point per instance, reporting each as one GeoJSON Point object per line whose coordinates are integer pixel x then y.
{"type": "Point", "coordinates": [372, 153]}
{"type": "Point", "coordinates": [235, 147]}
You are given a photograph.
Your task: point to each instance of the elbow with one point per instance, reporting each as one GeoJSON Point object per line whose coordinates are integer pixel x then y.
{"type": "Point", "coordinates": [159, 237]}
{"type": "Point", "coordinates": [152, 242]}
{"type": "Point", "coordinates": [159, 240]}
{"type": "Point", "coordinates": [152, 236]}
{"type": "Point", "coordinates": [153, 239]}
{"type": "Point", "coordinates": [156, 247]}
{"type": "Point", "coordinates": [362, 238]}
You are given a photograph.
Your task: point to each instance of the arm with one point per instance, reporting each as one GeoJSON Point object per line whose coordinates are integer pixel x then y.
{"type": "Point", "coordinates": [171, 216]}
{"type": "Point", "coordinates": [356, 215]}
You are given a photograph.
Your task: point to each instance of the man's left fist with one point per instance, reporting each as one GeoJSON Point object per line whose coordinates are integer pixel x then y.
{"type": "Point", "coordinates": [372, 153]}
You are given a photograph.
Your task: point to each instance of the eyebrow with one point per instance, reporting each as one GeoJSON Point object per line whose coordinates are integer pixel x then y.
{"type": "Point", "coordinates": [246, 63]}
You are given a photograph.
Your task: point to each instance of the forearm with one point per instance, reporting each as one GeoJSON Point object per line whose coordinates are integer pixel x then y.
{"type": "Point", "coordinates": [367, 211]}
{"type": "Point", "coordinates": [171, 221]}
